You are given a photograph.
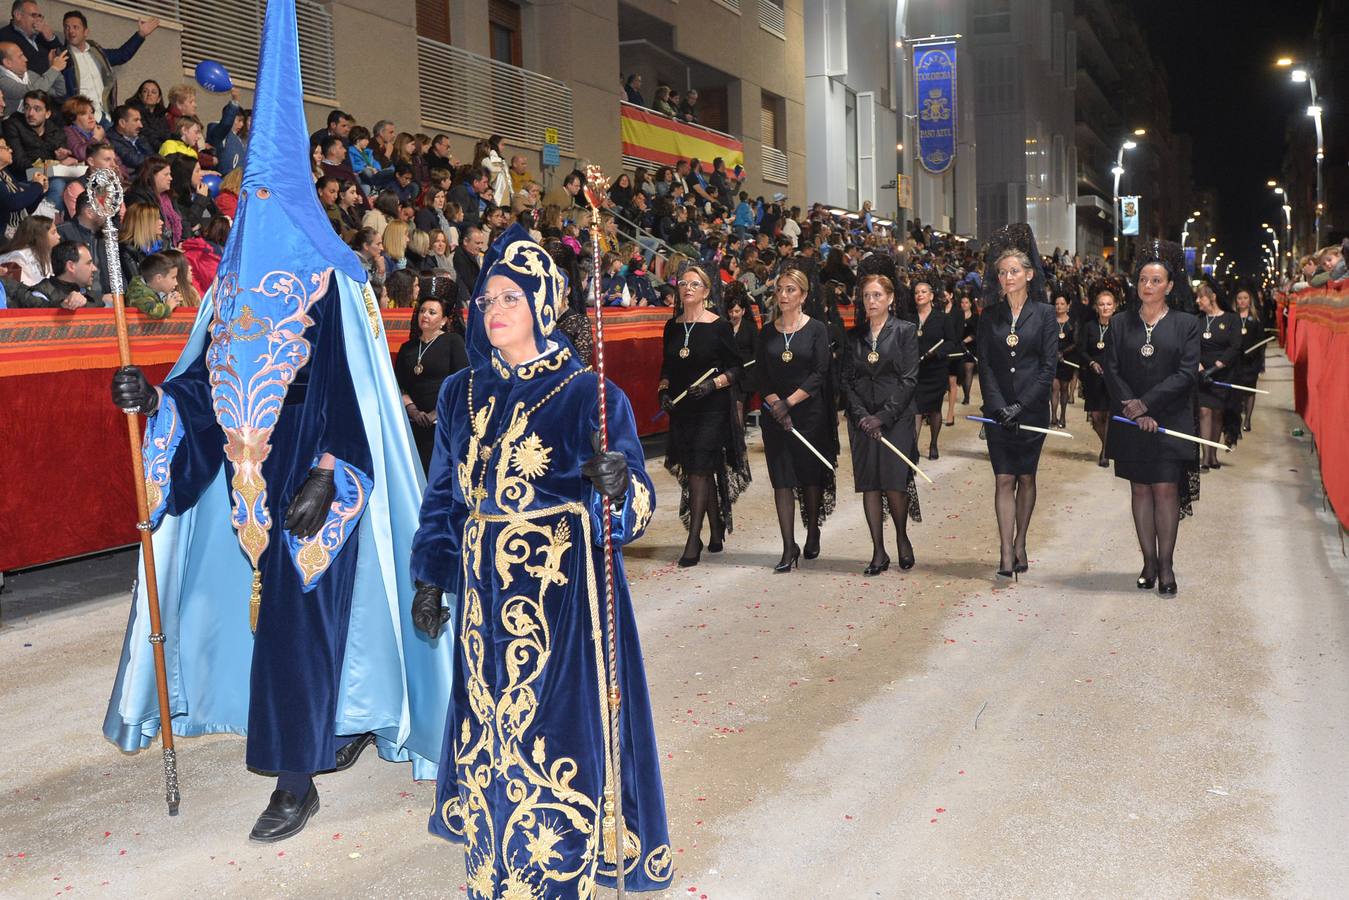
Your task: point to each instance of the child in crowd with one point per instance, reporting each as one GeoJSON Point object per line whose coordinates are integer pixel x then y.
{"type": "Point", "coordinates": [188, 142]}
{"type": "Point", "coordinates": [155, 290]}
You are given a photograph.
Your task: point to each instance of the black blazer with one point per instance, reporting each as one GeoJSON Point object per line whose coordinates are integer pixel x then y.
{"type": "Point", "coordinates": [1022, 374]}
{"type": "Point", "coordinates": [1164, 381]}
{"type": "Point", "coordinates": [884, 389]}
{"type": "Point", "coordinates": [939, 329]}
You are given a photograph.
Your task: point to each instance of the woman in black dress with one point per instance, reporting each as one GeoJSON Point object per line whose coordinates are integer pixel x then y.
{"type": "Point", "coordinates": [1251, 363]}
{"type": "Point", "coordinates": [740, 313]}
{"type": "Point", "coordinates": [792, 374]}
{"type": "Point", "coordinates": [705, 451]}
{"type": "Point", "coordinates": [1063, 372]}
{"type": "Point", "coordinates": [935, 336]}
{"type": "Point", "coordinates": [1219, 348]}
{"type": "Point", "coordinates": [572, 320]}
{"type": "Point", "coordinates": [1018, 350]}
{"type": "Point", "coordinates": [1091, 338]}
{"type": "Point", "coordinates": [1151, 371]}
{"type": "Point", "coordinates": [432, 353]}
{"type": "Point", "coordinates": [967, 328]}
{"type": "Point", "coordinates": [880, 374]}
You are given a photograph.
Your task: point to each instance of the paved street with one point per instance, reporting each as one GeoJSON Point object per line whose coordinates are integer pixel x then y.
{"type": "Point", "coordinates": [919, 734]}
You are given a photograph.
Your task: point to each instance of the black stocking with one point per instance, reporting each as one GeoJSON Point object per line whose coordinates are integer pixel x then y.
{"type": "Point", "coordinates": [810, 506]}
{"type": "Point", "coordinates": [1145, 525]}
{"type": "Point", "coordinates": [1004, 506]}
{"type": "Point", "coordinates": [700, 493]}
{"type": "Point", "coordinates": [1025, 505]}
{"type": "Point", "coordinates": [934, 428]}
{"type": "Point", "coordinates": [785, 501]}
{"type": "Point", "coordinates": [899, 511]}
{"type": "Point", "coordinates": [1166, 519]}
{"type": "Point", "coordinates": [871, 505]}
{"type": "Point", "coordinates": [1099, 425]}
{"type": "Point", "coordinates": [1248, 407]}
{"type": "Point", "coordinates": [1057, 400]}
{"type": "Point", "coordinates": [967, 380]}
{"type": "Point", "coordinates": [1210, 423]}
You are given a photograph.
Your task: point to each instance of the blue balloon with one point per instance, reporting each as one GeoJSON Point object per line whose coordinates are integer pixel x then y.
{"type": "Point", "coordinates": [214, 77]}
{"type": "Point", "coordinates": [212, 182]}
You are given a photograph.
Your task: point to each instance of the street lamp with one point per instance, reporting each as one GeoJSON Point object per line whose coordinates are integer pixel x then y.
{"type": "Point", "coordinates": [1204, 254]}
{"type": "Point", "coordinates": [1274, 236]}
{"type": "Point", "coordinates": [1287, 219]}
{"type": "Point", "coordinates": [1304, 76]}
{"type": "Point", "coordinates": [1117, 171]}
{"type": "Point", "coordinates": [1185, 229]}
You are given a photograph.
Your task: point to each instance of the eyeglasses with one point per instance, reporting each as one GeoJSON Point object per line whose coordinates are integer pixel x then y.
{"type": "Point", "coordinates": [506, 299]}
{"type": "Point", "coordinates": [688, 283]}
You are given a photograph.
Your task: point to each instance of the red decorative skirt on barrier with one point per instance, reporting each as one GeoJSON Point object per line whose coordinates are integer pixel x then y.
{"type": "Point", "coordinates": [65, 488]}
{"type": "Point", "coordinates": [1318, 346]}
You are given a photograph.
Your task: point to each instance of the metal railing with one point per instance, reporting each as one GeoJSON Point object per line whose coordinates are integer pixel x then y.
{"type": "Point", "coordinates": [472, 94]}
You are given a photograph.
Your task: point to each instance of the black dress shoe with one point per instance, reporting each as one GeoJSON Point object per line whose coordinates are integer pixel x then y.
{"type": "Point", "coordinates": [785, 566]}
{"type": "Point", "coordinates": [347, 756]}
{"type": "Point", "coordinates": [1167, 589]}
{"type": "Point", "coordinates": [285, 816]}
{"type": "Point", "coordinates": [812, 546]}
{"type": "Point", "coordinates": [688, 562]}
{"type": "Point", "coordinates": [716, 545]}
{"type": "Point", "coordinates": [1145, 584]}
{"type": "Point", "coordinates": [875, 569]}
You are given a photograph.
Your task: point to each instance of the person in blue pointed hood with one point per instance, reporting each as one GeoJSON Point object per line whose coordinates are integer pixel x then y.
{"type": "Point", "coordinates": [512, 526]}
{"type": "Point", "coordinates": [281, 428]}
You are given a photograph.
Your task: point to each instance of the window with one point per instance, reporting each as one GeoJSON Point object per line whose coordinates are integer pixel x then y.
{"type": "Point", "coordinates": [992, 16]}
{"type": "Point", "coordinates": [850, 135]}
{"type": "Point", "coordinates": [433, 20]}
{"type": "Point", "coordinates": [768, 121]}
{"type": "Point", "coordinates": [503, 23]}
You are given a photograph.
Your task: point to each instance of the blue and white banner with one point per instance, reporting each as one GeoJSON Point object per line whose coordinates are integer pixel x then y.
{"type": "Point", "coordinates": [1128, 219]}
{"type": "Point", "coordinates": [934, 78]}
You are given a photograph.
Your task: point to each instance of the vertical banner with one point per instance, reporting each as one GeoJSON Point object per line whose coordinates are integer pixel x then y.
{"type": "Point", "coordinates": [1128, 222]}
{"type": "Point", "coordinates": [934, 78]}
{"type": "Point", "coordinates": [1189, 260]}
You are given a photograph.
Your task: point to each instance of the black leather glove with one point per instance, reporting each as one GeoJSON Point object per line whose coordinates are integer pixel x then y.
{"type": "Point", "coordinates": [608, 472]}
{"type": "Point", "coordinates": [665, 403]}
{"type": "Point", "coordinates": [1206, 376]}
{"type": "Point", "coordinates": [131, 391]}
{"type": "Point", "coordinates": [702, 389]}
{"type": "Point", "coordinates": [309, 507]}
{"type": "Point", "coordinates": [871, 425]}
{"type": "Point", "coordinates": [1007, 416]}
{"type": "Point", "coordinates": [427, 613]}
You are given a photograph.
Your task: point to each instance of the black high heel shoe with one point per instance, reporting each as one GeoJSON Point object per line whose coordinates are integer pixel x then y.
{"type": "Point", "coordinates": [784, 567]}
{"type": "Point", "coordinates": [1144, 583]}
{"type": "Point", "coordinates": [1019, 565]}
{"type": "Point", "coordinates": [1167, 588]}
{"type": "Point", "coordinates": [687, 562]}
{"type": "Point", "coordinates": [714, 544]}
{"type": "Point", "coordinates": [873, 569]}
{"type": "Point", "coordinates": [1008, 572]}
{"type": "Point", "coordinates": [812, 546]}
{"type": "Point", "coordinates": [906, 560]}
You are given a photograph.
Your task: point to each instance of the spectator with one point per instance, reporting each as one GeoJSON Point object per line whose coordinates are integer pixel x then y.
{"type": "Point", "coordinates": [362, 159]}
{"type": "Point", "coordinates": [17, 198]}
{"type": "Point", "coordinates": [369, 246]}
{"type": "Point", "coordinates": [471, 195]}
{"type": "Point", "coordinates": [643, 182]}
{"type": "Point", "coordinates": [385, 211]}
{"type": "Point", "coordinates": [568, 195]}
{"type": "Point", "coordinates": [519, 173]}
{"type": "Point", "coordinates": [676, 101]}
{"type": "Point", "coordinates": [154, 185]}
{"type": "Point", "coordinates": [662, 103]}
{"type": "Point", "coordinates": [339, 126]}
{"type": "Point", "coordinates": [142, 234]}
{"type": "Point", "coordinates": [16, 79]}
{"type": "Point", "coordinates": [396, 245]}
{"type": "Point", "coordinates": [29, 30]}
{"type": "Point", "coordinates": [84, 228]}
{"type": "Point", "coordinates": [126, 140]}
{"type": "Point", "coordinates": [632, 88]}
{"type": "Point", "coordinates": [191, 296]}
{"type": "Point", "coordinates": [439, 156]}
{"type": "Point", "coordinates": [82, 128]}
{"type": "Point", "coordinates": [620, 194]}
{"type": "Point", "coordinates": [401, 288]}
{"type": "Point", "coordinates": [438, 253]}
{"type": "Point", "coordinates": [488, 155]}
{"type": "Point", "coordinates": [496, 220]}
{"type": "Point", "coordinates": [688, 111]}
{"type": "Point", "coordinates": [791, 226]}
{"type": "Point", "coordinates": [419, 247]}
{"type": "Point", "coordinates": [155, 290]}
{"type": "Point", "coordinates": [404, 185]}
{"type": "Point", "coordinates": [182, 102]}
{"type": "Point", "coordinates": [334, 159]}
{"type": "Point", "coordinates": [32, 137]}
{"type": "Point", "coordinates": [744, 216]}
{"type": "Point", "coordinates": [350, 208]}
{"type": "Point", "coordinates": [228, 143]}
{"type": "Point", "coordinates": [227, 198]}
{"type": "Point", "coordinates": [722, 184]}
{"type": "Point", "coordinates": [382, 136]}
{"type": "Point", "coordinates": [467, 261]}
{"type": "Point", "coordinates": [31, 249]}
{"type": "Point", "coordinates": [189, 140]}
{"type": "Point", "coordinates": [190, 196]}
{"type": "Point", "coordinates": [203, 254]}
{"type": "Point", "coordinates": [74, 281]}
{"type": "Point", "coordinates": [432, 214]}
{"type": "Point", "coordinates": [90, 70]}
{"type": "Point", "coordinates": [154, 114]}
{"type": "Point", "coordinates": [328, 187]}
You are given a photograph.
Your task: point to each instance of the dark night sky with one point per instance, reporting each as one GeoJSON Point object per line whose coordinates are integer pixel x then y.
{"type": "Point", "coordinates": [1228, 96]}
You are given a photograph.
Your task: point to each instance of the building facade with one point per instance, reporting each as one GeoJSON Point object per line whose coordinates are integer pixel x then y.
{"type": "Point", "coordinates": [524, 70]}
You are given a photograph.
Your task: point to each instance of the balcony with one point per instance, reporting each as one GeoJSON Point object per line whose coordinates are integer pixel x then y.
{"type": "Point", "coordinates": [650, 139]}
{"type": "Point", "coordinates": [471, 94]}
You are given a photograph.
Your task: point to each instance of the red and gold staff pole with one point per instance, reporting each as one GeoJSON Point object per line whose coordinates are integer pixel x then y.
{"type": "Point", "coordinates": [105, 198]}
{"type": "Point", "coordinates": [613, 832]}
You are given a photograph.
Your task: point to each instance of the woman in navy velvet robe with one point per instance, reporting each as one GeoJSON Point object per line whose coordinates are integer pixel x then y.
{"type": "Point", "coordinates": [512, 527]}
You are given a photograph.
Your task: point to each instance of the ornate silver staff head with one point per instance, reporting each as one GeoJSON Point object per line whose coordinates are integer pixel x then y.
{"type": "Point", "coordinates": [105, 199]}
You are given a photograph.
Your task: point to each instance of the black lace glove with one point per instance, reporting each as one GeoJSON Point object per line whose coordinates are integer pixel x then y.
{"type": "Point", "coordinates": [665, 403]}
{"type": "Point", "coordinates": [1007, 417]}
{"type": "Point", "coordinates": [608, 472]}
{"type": "Point", "coordinates": [427, 613]}
{"type": "Point", "coordinates": [309, 507]}
{"type": "Point", "coordinates": [781, 414]}
{"type": "Point", "coordinates": [132, 392]}
{"type": "Point", "coordinates": [702, 389]}
{"type": "Point", "coordinates": [870, 425]}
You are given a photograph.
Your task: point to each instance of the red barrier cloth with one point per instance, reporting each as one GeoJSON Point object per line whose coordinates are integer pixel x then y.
{"type": "Point", "coordinates": [64, 463]}
{"type": "Point", "coordinates": [1318, 346]}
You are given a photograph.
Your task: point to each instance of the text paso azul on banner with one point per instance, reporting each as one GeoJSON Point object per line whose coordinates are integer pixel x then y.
{"type": "Point", "coordinates": [934, 78]}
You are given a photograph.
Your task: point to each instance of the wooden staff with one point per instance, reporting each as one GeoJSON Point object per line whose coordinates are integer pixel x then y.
{"type": "Point", "coordinates": [1178, 434]}
{"type": "Point", "coordinates": [1254, 347]}
{"type": "Point", "coordinates": [908, 462]}
{"type": "Point", "coordinates": [701, 378]}
{"type": "Point", "coordinates": [811, 447]}
{"type": "Point", "coordinates": [1239, 387]}
{"type": "Point", "coordinates": [105, 198]}
{"type": "Point", "coordinates": [1069, 362]}
{"type": "Point", "coordinates": [1035, 428]}
{"type": "Point", "coordinates": [613, 831]}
